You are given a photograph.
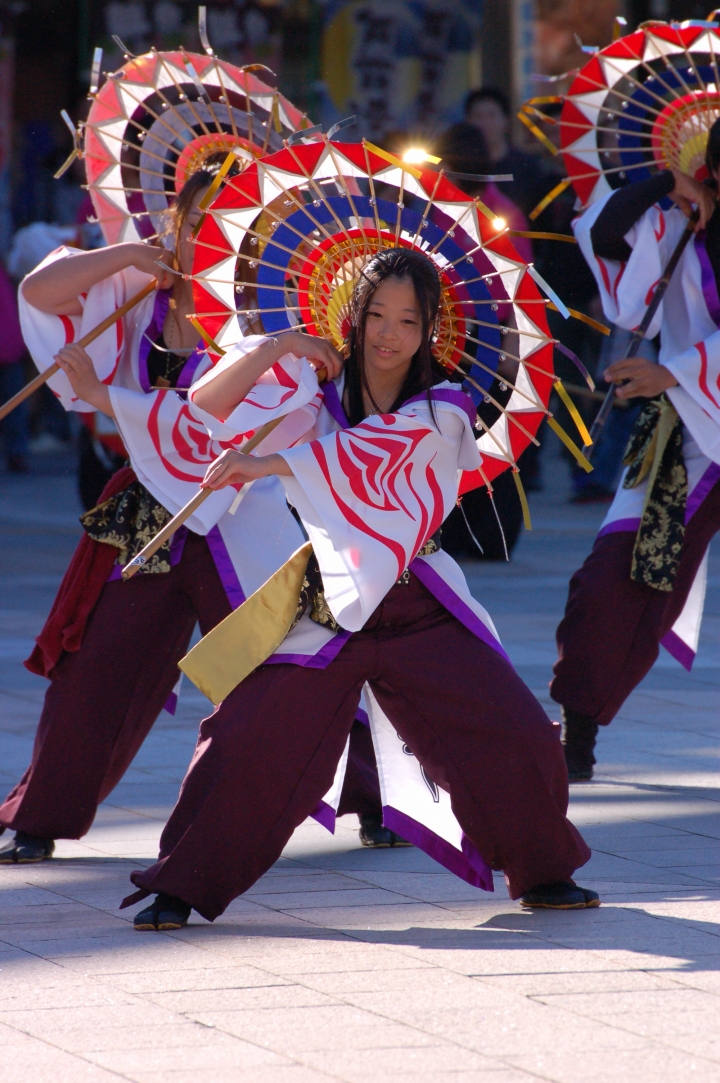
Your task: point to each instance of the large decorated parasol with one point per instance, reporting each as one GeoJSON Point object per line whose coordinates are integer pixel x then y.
{"type": "Point", "coordinates": [283, 243]}
{"type": "Point", "coordinates": [644, 103]}
{"type": "Point", "coordinates": [159, 118]}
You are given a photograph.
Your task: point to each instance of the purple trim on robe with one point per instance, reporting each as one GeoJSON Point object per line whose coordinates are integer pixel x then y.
{"type": "Point", "coordinates": [152, 331]}
{"type": "Point", "coordinates": [680, 651]}
{"type": "Point", "coordinates": [177, 545]}
{"type": "Point", "coordinates": [457, 398]}
{"type": "Point", "coordinates": [709, 285]}
{"type": "Point", "coordinates": [701, 490]}
{"type": "Point", "coordinates": [455, 605]}
{"type": "Point", "coordinates": [361, 716]}
{"type": "Point", "coordinates": [618, 525]}
{"type": "Point", "coordinates": [325, 816]}
{"type": "Point", "coordinates": [468, 865]}
{"type": "Point", "coordinates": [171, 703]}
{"type": "Point", "coordinates": [224, 565]}
{"type": "Point", "coordinates": [334, 407]}
{"type": "Point", "coordinates": [189, 369]}
{"type": "Point", "coordinates": [321, 660]}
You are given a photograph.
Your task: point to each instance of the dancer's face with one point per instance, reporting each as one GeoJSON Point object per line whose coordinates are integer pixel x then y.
{"type": "Point", "coordinates": [393, 328]}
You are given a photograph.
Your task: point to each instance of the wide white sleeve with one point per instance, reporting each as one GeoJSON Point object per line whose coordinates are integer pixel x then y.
{"type": "Point", "coordinates": [45, 333]}
{"type": "Point", "coordinates": [288, 390]}
{"type": "Point", "coordinates": [371, 495]}
{"type": "Point", "coordinates": [626, 289]}
{"type": "Point", "coordinates": [697, 398]}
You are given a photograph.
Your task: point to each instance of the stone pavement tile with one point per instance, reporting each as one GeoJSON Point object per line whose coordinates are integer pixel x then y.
{"type": "Point", "coordinates": [503, 1028]}
{"type": "Point", "coordinates": [632, 1004]}
{"type": "Point", "coordinates": [43, 1062]}
{"type": "Point", "coordinates": [167, 953]}
{"type": "Point", "coordinates": [680, 840]}
{"type": "Point", "coordinates": [386, 915]}
{"type": "Point", "coordinates": [380, 958]}
{"type": "Point", "coordinates": [422, 1063]}
{"type": "Point", "coordinates": [291, 880]}
{"type": "Point", "coordinates": [709, 873]}
{"type": "Point", "coordinates": [70, 992]}
{"type": "Point", "coordinates": [691, 860]}
{"type": "Point", "coordinates": [440, 888]}
{"type": "Point", "coordinates": [292, 1073]}
{"type": "Point", "coordinates": [591, 981]}
{"type": "Point", "coordinates": [492, 1075]}
{"type": "Point", "coordinates": [366, 981]}
{"type": "Point", "coordinates": [88, 1017]}
{"type": "Point", "coordinates": [315, 902]}
{"type": "Point", "coordinates": [646, 1064]}
{"type": "Point", "coordinates": [247, 998]}
{"type": "Point", "coordinates": [213, 1050]}
{"type": "Point", "coordinates": [294, 1031]}
{"type": "Point", "coordinates": [699, 978]}
{"type": "Point", "coordinates": [185, 980]}
{"type": "Point", "coordinates": [86, 1039]}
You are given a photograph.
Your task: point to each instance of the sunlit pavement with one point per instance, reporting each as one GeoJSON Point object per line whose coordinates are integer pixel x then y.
{"type": "Point", "coordinates": [345, 964]}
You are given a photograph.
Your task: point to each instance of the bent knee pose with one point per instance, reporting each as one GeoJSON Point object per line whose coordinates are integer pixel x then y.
{"type": "Point", "coordinates": [390, 613]}
{"type": "Point", "coordinates": [643, 585]}
{"type": "Point", "coordinates": [111, 648]}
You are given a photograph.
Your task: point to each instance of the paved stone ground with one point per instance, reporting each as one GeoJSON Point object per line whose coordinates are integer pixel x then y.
{"type": "Point", "coordinates": [348, 965]}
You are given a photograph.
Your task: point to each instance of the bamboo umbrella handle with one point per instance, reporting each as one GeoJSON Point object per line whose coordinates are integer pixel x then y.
{"type": "Point", "coordinates": [43, 377]}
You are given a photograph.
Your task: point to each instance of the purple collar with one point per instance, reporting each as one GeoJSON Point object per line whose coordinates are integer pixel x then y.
{"type": "Point", "coordinates": [440, 394]}
{"type": "Point", "coordinates": [334, 407]}
{"type": "Point", "coordinates": [152, 333]}
{"type": "Point", "coordinates": [709, 285]}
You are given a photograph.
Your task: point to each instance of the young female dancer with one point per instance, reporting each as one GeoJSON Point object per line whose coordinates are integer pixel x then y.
{"type": "Point", "coordinates": [372, 489]}
{"type": "Point", "coordinates": [111, 648]}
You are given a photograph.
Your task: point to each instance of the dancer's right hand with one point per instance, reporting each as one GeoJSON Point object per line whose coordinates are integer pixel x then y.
{"type": "Point", "coordinates": [234, 468]}
{"type": "Point", "coordinates": [146, 258]}
{"type": "Point", "coordinates": [687, 191]}
{"type": "Point", "coordinates": [318, 351]}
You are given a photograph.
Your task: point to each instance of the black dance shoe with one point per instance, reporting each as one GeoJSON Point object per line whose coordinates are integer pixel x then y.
{"type": "Point", "coordinates": [578, 738]}
{"type": "Point", "coordinates": [26, 850]}
{"type": "Point", "coordinates": [167, 912]}
{"type": "Point", "coordinates": [372, 833]}
{"type": "Point", "coordinates": [562, 895]}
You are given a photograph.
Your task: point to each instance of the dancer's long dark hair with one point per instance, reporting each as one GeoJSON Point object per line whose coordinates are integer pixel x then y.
{"type": "Point", "coordinates": [424, 371]}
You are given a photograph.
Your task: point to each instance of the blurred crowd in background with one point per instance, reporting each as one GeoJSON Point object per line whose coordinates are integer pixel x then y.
{"type": "Point", "coordinates": [445, 75]}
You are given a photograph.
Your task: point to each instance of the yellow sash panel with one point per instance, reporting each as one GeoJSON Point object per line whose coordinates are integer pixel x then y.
{"type": "Point", "coordinates": [244, 640]}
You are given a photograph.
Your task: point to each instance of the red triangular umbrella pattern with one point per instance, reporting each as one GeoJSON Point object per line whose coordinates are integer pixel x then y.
{"type": "Point", "coordinates": [162, 115]}
{"type": "Point", "coordinates": [643, 103]}
{"type": "Point", "coordinates": [282, 244]}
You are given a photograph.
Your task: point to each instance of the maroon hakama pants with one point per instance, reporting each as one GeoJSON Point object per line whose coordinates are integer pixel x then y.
{"type": "Point", "coordinates": [610, 635]}
{"type": "Point", "coordinates": [269, 753]}
{"type": "Point", "coordinates": [104, 698]}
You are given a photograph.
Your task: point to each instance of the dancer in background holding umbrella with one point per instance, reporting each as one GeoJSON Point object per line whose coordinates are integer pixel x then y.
{"type": "Point", "coordinates": [110, 649]}
{"type": "Point", "coordinates": [643, 585]}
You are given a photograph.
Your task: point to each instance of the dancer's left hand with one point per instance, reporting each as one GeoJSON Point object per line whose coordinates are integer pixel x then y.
{"type": "Point", "coordinates": [77, 365]}
{"type": "Point", "coordinates": [234, 468]}
{"type": "Point", "coordinates": [645, 379]}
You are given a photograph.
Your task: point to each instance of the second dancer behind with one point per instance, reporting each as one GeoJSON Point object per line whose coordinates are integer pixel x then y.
{"type": "Point", "coordinates": [395, 617]}
{"type": "Point", "coordinates": [643, 584]}
{"type": "Point", "coordinates": [110, 648]}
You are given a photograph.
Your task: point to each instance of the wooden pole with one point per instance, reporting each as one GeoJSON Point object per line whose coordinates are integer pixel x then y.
{"type": "Point", "coordinates": [43, 377]}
